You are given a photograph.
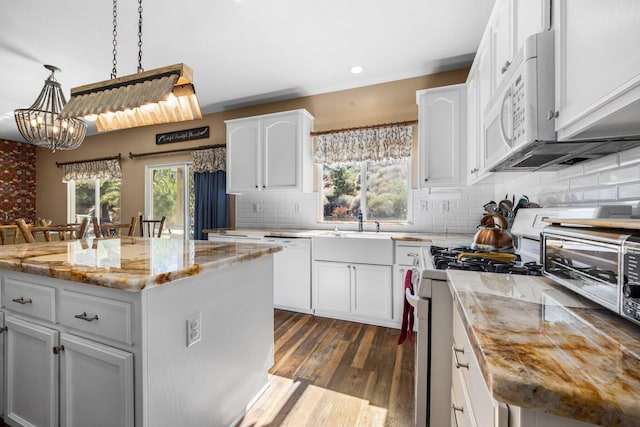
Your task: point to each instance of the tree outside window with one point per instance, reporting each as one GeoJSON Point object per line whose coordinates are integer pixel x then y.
{"type": "Point", "coordinates": [378, 189]}
{"type": "Point", "coordinates": [96, 198]}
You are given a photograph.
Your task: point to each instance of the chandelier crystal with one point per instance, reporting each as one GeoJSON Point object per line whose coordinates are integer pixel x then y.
{"type": "Point", "coordinates": [41, 123]}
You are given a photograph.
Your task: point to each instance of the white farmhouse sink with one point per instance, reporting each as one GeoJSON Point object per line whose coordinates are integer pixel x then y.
{"type": "Point", "coordinates": [358, 234]}
{"type": "Point", "coordinates": [359, 247]}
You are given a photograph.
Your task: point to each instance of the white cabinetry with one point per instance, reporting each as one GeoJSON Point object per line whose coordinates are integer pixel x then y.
{"type": "Point", "coordinates": [352, 279]}
{"type": "Point", "coordinates": [471, 401]}
{"type": "Point", "coordinates": [53, 374]}
{"type": "Point", "coordinates": [270, 152]}
{"type": "Point", "coordinates": [441, 134]}
{"type": "Point", "coordinates": [597, 68]}
{"type": "Point", "coordinates": [353, 291]}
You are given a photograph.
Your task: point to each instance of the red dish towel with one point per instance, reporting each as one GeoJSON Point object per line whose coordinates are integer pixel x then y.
{"type": "Point", "coordinates": [407, 313]}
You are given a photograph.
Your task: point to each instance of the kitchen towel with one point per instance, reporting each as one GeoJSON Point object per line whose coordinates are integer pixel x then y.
{"type": "Point", "coordinates": [407, 313]}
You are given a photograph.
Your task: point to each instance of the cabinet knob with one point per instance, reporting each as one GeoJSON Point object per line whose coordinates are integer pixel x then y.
{"type": "Point", "coordinates": [505, 67]}
{"type": "Point", "coordinates": [257, 186]}
{"type": "Point", "coordinates": [552, 115]}
{"type": "Point", "coordinates": [454, 410]}
{"type": "Point", "coordinates": [3, 329]}
{"type": "Point", "coordinates": [57, 349]}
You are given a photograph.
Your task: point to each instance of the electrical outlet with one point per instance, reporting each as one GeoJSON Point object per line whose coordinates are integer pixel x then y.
{"type": "Point", "coordinates": [255, 208]}
{"type": "Point", "coordinates": [194, 329]}
{"type": "Point", "coordinates": [424, 206]}
{"type": "Point", "coordinates": [444, 206]}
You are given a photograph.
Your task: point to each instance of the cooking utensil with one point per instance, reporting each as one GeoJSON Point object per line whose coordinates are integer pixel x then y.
{"type": "Point", "coordinates": [505, 207]}
{"type": "Point", "coordinates": [490, 207]}
{"type": "Point", "coordinates": [492, 235]}
{"type": "Point", "coordinates": [496, 256]}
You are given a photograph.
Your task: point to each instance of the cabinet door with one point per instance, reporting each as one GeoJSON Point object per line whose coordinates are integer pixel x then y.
{"type": "Point", "coordinates": [531, 16]}
{"type": "Point", "coordinates": [371, 290]}
{"type": "Point", "coordinates": [597, 65]}
{"type": "Point", "coordinates": [399, 274]}
{"type": "Point", "coordinates": [292, 278]}
{"type": "Point", "coordinates": [31, 375]}
{"type": "Point", "coordinates": [332, 284]}
{"type": "Point", "coordinates": [502, 48]}
{"type": "Point", "coordinates": [244, 162]}
{"type": "Point", "coordinates": [473, 127]}
{"type": "Point", "coordinates": [96, 384]}
{"type": "Point", "coordinates": [442, 127]}
{"type": "Point", "coordinates": [281, 152]}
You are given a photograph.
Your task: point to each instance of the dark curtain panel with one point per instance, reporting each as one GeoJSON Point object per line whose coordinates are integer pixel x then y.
{"type": "Point", "coordinates": [210, 202]}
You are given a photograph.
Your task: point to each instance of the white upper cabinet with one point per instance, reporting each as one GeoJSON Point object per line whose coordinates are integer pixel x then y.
{"type": "Point", "coordinates": [270, 152]}
{"type": "Point", "coordinates": [511, 22]}
{"type": "Point", "coordinates": [597, 68]}
{"type": "Point", "coordinates": [441, 134]}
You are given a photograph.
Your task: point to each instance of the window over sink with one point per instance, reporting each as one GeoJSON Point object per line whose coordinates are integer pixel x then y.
{"type": "Point", "coordinates": [380, 189]}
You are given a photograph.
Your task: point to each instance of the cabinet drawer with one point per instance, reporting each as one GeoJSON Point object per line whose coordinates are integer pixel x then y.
{"type": "Point", "coordinates": [461, 412]}
{"type": "Point", "coordinates": [484, 407]}
{"type": "Point", "coordinates": [30, 299]}
{"type": "Point", "coordinates": [407, 255]}
{"type": "Point", "coordinates": [99, 316]}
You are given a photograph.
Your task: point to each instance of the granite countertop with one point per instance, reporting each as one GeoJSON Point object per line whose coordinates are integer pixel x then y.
{"type": "Point", "coordinates": [128, 263]}
{"type": "Point", "coordinates": [543, 347]}
{"type": "Point", "coordinates": [309, 233]}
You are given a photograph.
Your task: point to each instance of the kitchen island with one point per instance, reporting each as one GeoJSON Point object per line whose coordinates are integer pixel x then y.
{"type": "Point", "coordinates": [543, 352]}
{"type": "Point", "coordinates": [135, 332]}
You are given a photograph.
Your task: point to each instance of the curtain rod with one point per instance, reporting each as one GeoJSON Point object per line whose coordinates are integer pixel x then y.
{"type": "Point", "coordinates": [382, 125]}
{"type": "Point", "coordinates": [98, 159]}
{"type": "Point", "coordinates": [180, 150]}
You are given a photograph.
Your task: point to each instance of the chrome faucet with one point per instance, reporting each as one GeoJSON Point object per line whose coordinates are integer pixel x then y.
{"type": "Point", "coordinates": [360, 219]}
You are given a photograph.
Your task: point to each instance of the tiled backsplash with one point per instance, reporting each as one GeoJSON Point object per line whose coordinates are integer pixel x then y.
{"type": "Point", "coordinates": [438, 210]}
{"type": "Point", "coordinates": [614, 179]}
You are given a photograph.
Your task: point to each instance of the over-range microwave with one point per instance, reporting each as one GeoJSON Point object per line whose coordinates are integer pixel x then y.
{"type": "Point", "coordinates": [519, 120]}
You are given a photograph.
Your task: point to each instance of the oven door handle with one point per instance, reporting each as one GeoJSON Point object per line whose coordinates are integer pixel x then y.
{"type": "Point", "coordinates": [421, 305]}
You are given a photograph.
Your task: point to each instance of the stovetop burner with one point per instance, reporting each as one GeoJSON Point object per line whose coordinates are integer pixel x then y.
{"type": "Point", "coordinates": [448, 258]}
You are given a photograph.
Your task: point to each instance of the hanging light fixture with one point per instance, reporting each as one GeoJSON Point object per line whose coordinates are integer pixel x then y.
{"type": "Point", "coordinates": [163, 95]}
{"type": "Point", "coordinates": [42, 124]}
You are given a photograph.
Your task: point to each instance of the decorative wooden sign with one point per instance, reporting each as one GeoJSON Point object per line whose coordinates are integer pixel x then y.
{"type": "Point", "coordinates": [182, 135]}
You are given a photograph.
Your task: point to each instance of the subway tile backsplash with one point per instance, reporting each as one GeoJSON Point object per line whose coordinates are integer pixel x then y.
{"type": "Point", "coordinates": [614, 179]}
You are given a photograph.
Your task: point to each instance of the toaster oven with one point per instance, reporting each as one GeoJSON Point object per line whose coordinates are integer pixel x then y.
{"type": "Point", "coordinates": [600, 264]}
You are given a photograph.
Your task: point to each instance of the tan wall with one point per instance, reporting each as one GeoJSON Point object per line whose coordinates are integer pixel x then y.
{"type": "Point", "coordinates": [383, 103]}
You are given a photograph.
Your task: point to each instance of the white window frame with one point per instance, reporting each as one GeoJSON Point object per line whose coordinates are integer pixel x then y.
{"type": "Point", "coordinates": [147, 190]}
{"type": "Point", "coordinates": [320, 210]}
{"type": "Point", "coordinates": [71, 199]}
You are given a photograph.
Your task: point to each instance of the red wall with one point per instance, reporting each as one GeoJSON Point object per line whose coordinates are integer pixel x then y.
{"type": "Point", "coordinates": [17, 182]}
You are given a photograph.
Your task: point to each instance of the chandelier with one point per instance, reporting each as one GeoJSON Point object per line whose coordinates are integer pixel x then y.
{"type": "Point", "coordinates": [162, 95]}
{"type": "Point", "coordinates": [42, 125]}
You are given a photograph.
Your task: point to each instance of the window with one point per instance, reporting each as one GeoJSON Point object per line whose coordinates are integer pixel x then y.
{"type": "Point", "coordinates": [379, 189]}
{"type": "Point", "coordinates": [169, 193]}
{"type": "Point", "coordinates": [98, 198]}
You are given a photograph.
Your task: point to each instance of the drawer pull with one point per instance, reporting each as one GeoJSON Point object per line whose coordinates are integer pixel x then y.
{"type": "Point", "coordinates": [3, 329]}
{"type": "Point", "coordinates": [455, 409]}
{"type": "Point", "coordinates": [455, 357]}
{"type": "Point", "coordinates": [84, 316]}
{"type": "Point", "coordinates": [21, 300]}
{"type": "Point", "coordinates": [57, 349]}
{"type": "Point", "coordinates": [412, 254]}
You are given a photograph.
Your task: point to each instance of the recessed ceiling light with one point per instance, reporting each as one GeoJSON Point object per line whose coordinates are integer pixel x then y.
{"type": "Point", "coordinates": [356, 69]}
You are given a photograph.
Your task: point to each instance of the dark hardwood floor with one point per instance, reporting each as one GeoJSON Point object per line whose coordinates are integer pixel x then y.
{"type": "Point", "coordinates": [335, 373]}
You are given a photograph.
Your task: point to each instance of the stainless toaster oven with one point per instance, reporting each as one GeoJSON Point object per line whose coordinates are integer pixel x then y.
{"type": "Point", "coordinates": [601, 264]}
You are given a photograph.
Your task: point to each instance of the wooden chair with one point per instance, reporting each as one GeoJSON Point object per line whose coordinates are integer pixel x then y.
{"type": "Point", "coordinates": [148, 227]}
{"type": "Point", "coordinates": [113, 230]}
{"type": "Point", "coordinates": [5, 237]}
{"type": "Point", "coordinates": [71, 231]}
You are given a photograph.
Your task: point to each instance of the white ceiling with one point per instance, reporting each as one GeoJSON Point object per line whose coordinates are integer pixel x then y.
{"type": "Point", "coordinates": [242, 52]}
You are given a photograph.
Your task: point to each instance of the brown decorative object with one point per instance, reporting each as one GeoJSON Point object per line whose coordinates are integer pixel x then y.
{"type": "Point", "coordinates": [113, 230]}
{"type": "Point", "coordinates": [148, 227]}
{"type": "Point", "coordinates": [75, 231]}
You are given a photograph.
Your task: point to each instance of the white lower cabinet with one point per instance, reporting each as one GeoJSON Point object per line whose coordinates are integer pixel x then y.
{"type": "Point", "coordinates": [292, 274]}
{"type": "Point", "coordinates": [353, 291]}
{"type": "Point", "coordinates": [53, 375]}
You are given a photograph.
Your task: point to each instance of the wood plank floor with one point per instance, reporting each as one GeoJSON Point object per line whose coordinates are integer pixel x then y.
{"type": "Point", "coordinates": [330, 372]}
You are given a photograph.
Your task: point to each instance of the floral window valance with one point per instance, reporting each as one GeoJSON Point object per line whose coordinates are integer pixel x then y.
{"type": "Point", "coordinates": [96, 169]}
{"type": "Point", "coordinates": [209, 160]}
{"type": "Point", "coordinates": [377, 144]}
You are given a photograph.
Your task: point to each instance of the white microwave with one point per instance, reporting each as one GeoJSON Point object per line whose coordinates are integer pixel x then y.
{"type": "Point", "coordinates": [519, 121]}
{"type": "Point", "coordinates": [518, 116]}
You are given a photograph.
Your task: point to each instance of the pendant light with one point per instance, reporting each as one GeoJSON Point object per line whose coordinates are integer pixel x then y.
{"type": "Point", "coordinates": [42, 124]}
{"type": "Point", "coordinates": [162, 95]}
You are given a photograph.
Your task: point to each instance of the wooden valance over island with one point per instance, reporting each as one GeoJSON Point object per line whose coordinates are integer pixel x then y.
{"type": "Point", "coordinates": [134, 331]}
